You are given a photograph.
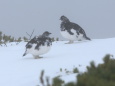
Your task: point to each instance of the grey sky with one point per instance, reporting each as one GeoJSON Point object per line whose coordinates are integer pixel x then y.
{"type": "Point", "coordinates": [96, 17]}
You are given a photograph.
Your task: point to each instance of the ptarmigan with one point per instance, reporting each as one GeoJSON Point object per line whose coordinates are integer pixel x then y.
{"type": "Point", "coordinates": [39, 45]}
{"type": "Point", "coordinates": [72, 31]}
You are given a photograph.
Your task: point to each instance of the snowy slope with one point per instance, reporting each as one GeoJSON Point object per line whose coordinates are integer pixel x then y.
{"type": "Point", "coordinates": [16, 70]}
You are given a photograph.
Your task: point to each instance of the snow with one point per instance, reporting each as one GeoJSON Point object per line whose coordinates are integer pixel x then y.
{"type": "Point", "coordinates": [16, 70]}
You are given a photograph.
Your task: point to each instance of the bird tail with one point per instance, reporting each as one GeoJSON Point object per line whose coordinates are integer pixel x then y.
{"type": "Point", "coordinates": [85, 36]}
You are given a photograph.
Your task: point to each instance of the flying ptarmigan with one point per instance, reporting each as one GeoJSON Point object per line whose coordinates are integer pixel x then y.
{"type": "Point", "coordinates": [72, 31]}
{"type": "Point", "coordinates": [39, 45]}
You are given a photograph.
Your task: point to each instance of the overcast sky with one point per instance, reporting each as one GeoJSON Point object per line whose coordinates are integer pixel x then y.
{"type": "Point", "coordinates": [96, 17]}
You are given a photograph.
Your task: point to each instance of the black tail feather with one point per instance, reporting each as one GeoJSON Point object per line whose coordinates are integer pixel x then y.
{"type": "Point", "coordinates": [87, 38]}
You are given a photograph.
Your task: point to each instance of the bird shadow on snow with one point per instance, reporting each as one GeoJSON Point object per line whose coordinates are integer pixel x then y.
{"type": "Point", "coordinates": [81, 41]}
{"type": "Point", "coordinates": [32, 58]}
{"type": "Point", "coordinates": [76, 42]}
{"type": "Point", "coordinates": [29, 58]}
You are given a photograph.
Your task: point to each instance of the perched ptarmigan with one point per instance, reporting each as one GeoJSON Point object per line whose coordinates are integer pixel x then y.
{"type": "Point", "coordinates": [72, 31]}
{"type": "Point", "coordinates": [39, 45]}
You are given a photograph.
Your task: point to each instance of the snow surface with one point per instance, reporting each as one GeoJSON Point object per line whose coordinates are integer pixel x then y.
{"type": "Point", "coordinates": [16, 70]}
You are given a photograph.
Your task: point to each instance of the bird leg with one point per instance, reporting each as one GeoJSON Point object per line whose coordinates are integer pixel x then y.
{"type": "Point", "coordinates": [37, 56]}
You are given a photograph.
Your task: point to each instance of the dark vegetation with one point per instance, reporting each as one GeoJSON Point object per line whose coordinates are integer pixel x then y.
{"type": "Point", "coordinates": [101, 75]}
{"type": "Point", "coordinates": [4, 39]}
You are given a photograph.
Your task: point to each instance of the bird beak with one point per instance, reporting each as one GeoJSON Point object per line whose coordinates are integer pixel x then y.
{"type": "Point", "coordinates": [24, 54]}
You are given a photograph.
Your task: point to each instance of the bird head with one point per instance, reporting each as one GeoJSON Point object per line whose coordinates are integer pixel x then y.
{"type": "Point", "coordinates": [46, 34]}
{"type": "Point", "coordinates": [64, 19]}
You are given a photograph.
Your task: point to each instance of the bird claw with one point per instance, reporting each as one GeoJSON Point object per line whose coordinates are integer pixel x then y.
{"type": "Point", "coordinates": [37, 57]}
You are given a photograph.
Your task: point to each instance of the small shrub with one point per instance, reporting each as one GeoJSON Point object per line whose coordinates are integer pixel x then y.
{"type": "Point", "coordinates": [101, 75]}
{"type": "Point", "coordinates": [75, 70]}
{"type": "Point", "coordinates": [60, 69]}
